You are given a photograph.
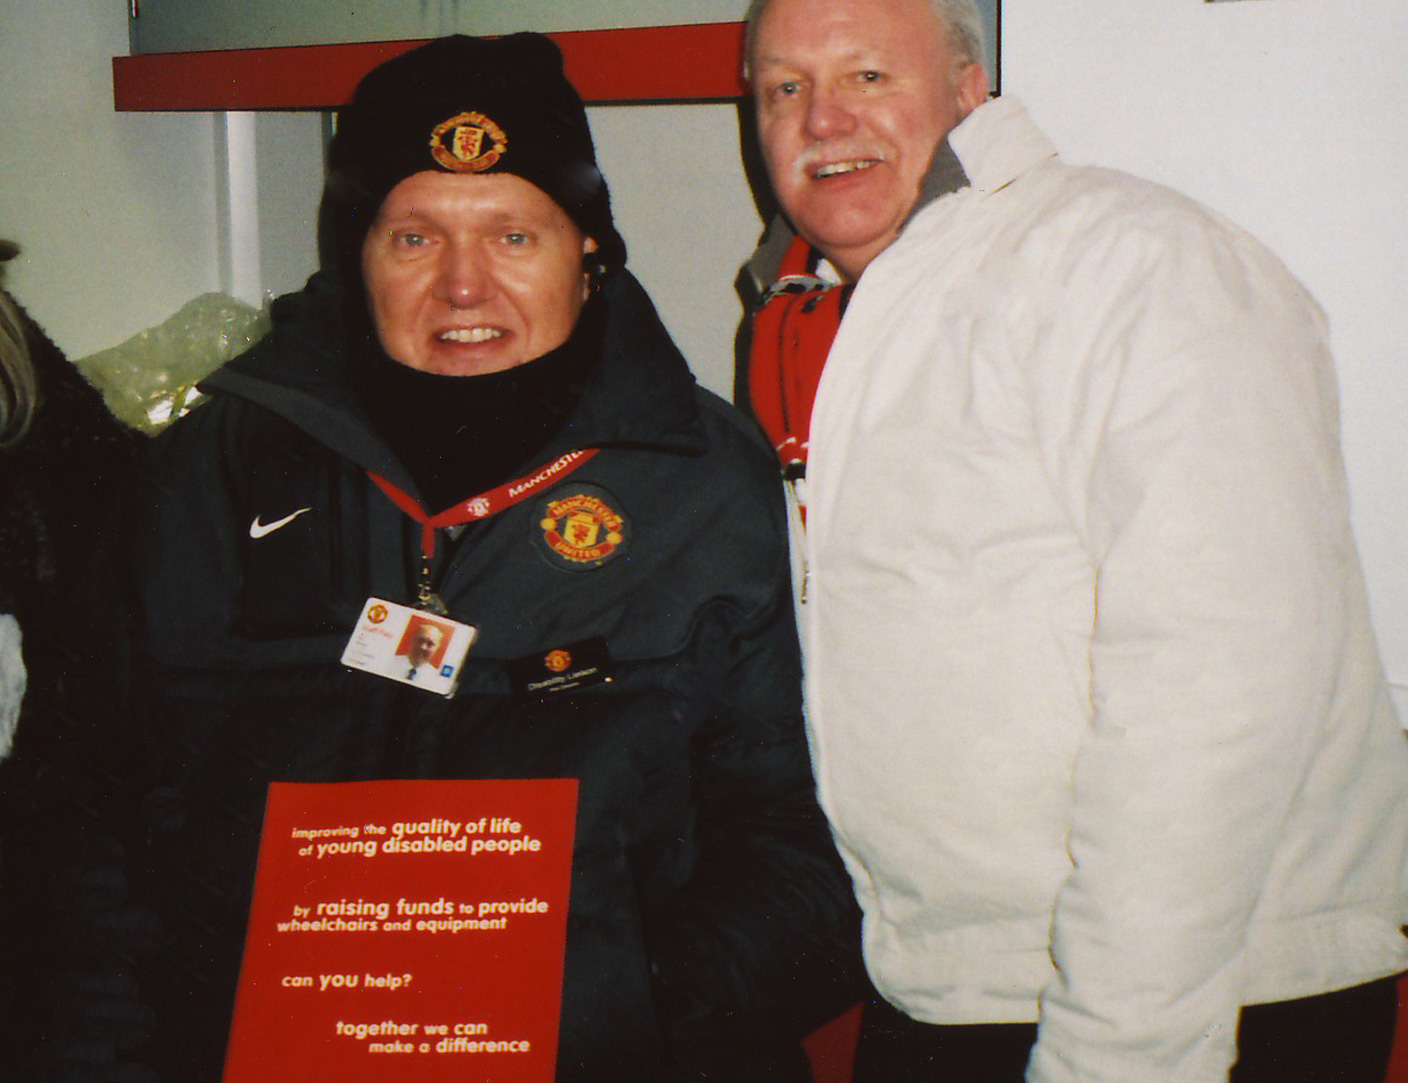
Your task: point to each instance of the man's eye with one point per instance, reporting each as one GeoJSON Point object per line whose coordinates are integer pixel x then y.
{"type": "Point", "coordinates": [869, 77]}
{"type": "Point", "coordinates": [517, 238]}
{"type": "Point", "coordinates": [787, 89]}
{"type": "Point", "coordinates": [408, 239]}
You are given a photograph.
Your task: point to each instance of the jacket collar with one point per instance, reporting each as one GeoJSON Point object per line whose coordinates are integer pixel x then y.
{"type": "Point", "coordinates": [642, 394]}
{"type": "Point", "coordinates": [997, 143]}
{"type": "Point", "coordinates": [944, 176]}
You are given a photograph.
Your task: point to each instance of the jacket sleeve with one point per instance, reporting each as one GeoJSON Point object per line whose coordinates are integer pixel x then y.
{"type": "Point", "coordinates": [72, 927]}
{"type": "Point", "coordinates": [1188, 415]}
{"type": "Point", "coordinates": [763, 945]}
{"type": "Point", "coordinates": [78, 806]}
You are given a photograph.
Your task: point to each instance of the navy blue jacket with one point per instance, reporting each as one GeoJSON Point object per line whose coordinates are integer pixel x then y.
{"type": "Point", "coordinates": [710, 923]}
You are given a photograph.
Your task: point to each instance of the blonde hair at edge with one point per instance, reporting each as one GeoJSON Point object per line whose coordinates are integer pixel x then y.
{"type": "Point", "coordinates": [967, 34]}
{"type": "Point", "coordinates": [18, 389]}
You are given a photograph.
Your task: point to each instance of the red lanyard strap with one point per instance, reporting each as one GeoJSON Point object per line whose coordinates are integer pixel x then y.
{"type": "Point", "coordinates": [482, 505]}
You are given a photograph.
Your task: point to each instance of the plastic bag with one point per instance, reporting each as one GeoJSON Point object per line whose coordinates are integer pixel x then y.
{"type": "Point", "coordinates": [150, 380]}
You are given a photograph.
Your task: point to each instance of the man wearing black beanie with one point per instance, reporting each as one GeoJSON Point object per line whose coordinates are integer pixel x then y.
{"type": "Point", "coordinates": [472, 411]}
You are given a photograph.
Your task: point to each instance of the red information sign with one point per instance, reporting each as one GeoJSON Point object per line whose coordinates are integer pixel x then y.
{"type": "Point", "coordinates": [407, 930]}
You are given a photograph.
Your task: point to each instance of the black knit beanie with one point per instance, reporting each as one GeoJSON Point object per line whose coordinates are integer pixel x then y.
{"type": "Point", "coordinates": [469, 105]}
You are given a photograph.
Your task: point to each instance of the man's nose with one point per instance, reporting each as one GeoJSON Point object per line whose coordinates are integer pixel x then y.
{"type": "Point", "coordinates": [828, 115]}
{"type": "Point", "coordinates": [465, 278]}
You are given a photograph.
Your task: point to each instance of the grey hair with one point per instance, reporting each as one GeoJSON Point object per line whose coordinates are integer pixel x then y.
{"type": "Point", "coordinates": [19, 390]}
{"type": "Point", "coordinates": [967, 34]}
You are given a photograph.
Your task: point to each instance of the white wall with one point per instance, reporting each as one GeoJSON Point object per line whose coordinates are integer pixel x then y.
{"type": "Point", "coordinates": [1290, 116]}
{"type": "Point", "coordinates": [115, 213]}
{"type": "Point", "coordinates": [683, 205]}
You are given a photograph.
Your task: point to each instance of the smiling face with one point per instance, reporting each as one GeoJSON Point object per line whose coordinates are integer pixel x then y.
{"type": "Point", "coordinates": [469, 274]}
{"type": "Point", "coordinates": [853, 98]}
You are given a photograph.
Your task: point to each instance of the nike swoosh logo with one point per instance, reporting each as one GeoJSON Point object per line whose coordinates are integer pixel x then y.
{"type": "Point", "coordinates": [258, 529]}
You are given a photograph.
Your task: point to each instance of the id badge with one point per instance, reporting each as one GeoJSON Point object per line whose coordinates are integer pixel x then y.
{"type": "Point", "coordinates": [421, 649]}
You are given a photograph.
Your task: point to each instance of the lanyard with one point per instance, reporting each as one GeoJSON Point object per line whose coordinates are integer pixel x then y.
{"type": "Point", "coordinates": [472, 509]}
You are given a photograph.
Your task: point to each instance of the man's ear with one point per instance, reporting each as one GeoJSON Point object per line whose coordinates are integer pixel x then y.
{"type": "Point", "coordinates": [973, 88]}
{"type": "Point", "coordinates": [592, 269]}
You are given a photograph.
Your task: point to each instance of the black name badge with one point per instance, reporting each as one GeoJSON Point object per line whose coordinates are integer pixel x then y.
{"type": "Point", "coordinates": [561, 669]}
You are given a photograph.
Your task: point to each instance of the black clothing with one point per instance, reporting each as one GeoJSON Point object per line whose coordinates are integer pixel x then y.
{"type": "Point", "coordinates": [459, 435]}
{"type": "Point", "coordinates": [710, 923]}
{"type": "Point", "coordinates": [55, 483]}
{"type": "Point", "coordinates": [462, 105]}
{"type": "Point", "coordinates": [1341, 1037]}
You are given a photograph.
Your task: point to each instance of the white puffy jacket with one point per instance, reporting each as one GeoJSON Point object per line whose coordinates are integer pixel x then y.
{"type": "Point", "coordinates": [1096, 707]}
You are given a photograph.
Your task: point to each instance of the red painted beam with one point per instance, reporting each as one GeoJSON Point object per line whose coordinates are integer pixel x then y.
{"type": "Point", "coordinates": [698, 62]}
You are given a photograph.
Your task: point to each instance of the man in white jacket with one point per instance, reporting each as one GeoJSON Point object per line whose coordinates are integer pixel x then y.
{"type": "Point", "coordinates": [1096, 708]}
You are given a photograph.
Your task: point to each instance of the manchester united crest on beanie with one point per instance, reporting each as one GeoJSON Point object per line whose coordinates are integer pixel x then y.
{"type": "Point", "coordinates": [471, 105]}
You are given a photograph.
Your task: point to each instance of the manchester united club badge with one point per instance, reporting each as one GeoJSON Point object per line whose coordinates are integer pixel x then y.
{"type": "Point", "coordinates": [468, 143]}
{"type": "Point", "coordinates": [580, 527]}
